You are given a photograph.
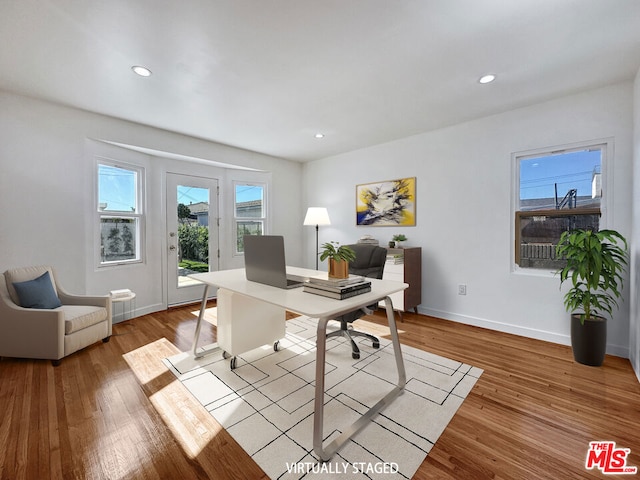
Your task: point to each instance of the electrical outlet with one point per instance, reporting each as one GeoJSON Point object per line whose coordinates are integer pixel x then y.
{"type": "Point", "coordinates": [462, 289]}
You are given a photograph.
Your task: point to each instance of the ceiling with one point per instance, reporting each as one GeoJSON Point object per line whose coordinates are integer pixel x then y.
{"type": "Point", "coordinates": [267, 75]}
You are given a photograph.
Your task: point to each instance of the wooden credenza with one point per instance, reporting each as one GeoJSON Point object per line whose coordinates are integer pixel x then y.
{"type": "Point", "coordinates": [405, 265]}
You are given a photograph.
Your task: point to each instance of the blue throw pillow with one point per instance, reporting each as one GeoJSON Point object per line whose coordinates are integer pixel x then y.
{"type": "Point", "coordinates": [37, 293]}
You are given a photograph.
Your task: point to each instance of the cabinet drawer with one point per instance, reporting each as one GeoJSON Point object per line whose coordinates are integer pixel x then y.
{"type": "Point", "coordinates": [393, 268]}
{"type": "Point", "coordinates": [396, 277]}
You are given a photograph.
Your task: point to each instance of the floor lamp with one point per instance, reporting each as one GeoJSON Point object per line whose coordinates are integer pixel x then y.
{"type": "Point", "coordinates": [317, 216]}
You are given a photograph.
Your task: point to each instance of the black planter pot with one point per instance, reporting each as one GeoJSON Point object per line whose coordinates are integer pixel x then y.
{"type": "Point", "coordinates": [589, 341]}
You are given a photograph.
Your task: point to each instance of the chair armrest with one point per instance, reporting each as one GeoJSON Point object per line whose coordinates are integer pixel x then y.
{"type": "Point", "coordinates": [10, 309]}
{"type": "Point", "coordinates": [91, 300]}
{"type": "Point", "coordinates": [31, 332]}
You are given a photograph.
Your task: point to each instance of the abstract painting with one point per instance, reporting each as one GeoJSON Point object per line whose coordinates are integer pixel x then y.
{"type": "Point", "coordinates": [388, 203]}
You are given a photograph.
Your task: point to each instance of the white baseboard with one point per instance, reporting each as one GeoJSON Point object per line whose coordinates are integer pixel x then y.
{"type": "Point", "coordinates": [617, 350]}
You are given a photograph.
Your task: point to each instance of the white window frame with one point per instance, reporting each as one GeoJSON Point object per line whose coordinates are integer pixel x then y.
{"type": "Point", "coordinates": [236, 219]}
{"type": "Point", "coordinates": [606, 145]}
{"type": "Point", "coordinates": [138, 214]}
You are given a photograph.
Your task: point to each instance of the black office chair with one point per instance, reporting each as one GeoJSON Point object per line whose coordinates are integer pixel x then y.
{"type": "Point", "coordinates": [369, 262]}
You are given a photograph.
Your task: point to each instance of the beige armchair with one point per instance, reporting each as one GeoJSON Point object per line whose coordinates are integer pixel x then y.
{"type": "Point", "coordinates": [49, 333]}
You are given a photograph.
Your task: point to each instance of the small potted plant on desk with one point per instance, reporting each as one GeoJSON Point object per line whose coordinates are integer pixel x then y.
{"type": "Point", "coordinates": [339, 257]}
{"type": "Point", "coordinates": [399, 239]}
{"type": "Point", "coordinates": [595, 265]}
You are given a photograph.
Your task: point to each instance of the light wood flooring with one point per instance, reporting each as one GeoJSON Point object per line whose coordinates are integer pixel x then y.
{"type": "Point", "coordinates": [113, 411]}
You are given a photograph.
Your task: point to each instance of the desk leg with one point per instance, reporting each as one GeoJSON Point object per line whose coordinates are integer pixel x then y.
{"type": "Point", "coordinates": [318, 410]}
{"type": "Point", "coordinates": [203, 307]}
{"type": "Point", "coordinates": [318, 417]}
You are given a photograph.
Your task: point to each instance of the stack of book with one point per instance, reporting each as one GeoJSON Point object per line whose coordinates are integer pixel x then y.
{"type": "Point", "coordinates": [395, 259]}
{"type": "Point", "coordinates": [124, 292]}
{"type": "Point", "coordinates": [337, 288]}
{"type": "Point", "coordinates": [368, 240]}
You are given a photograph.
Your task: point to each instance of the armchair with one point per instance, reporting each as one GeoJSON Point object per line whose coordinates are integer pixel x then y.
{"type": "Point", "coordinates": [48, 333]}
{"type": "Point", "coordinates": [369, 262]}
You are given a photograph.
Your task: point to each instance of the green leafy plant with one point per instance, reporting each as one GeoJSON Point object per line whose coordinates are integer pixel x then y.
{"type": "Point", "coordinates": [399, 238]}
{"type": "Point", "coordinates": [194, 266]}
{"type": "Point", "coordinates": [337, 252]}
{"type": "Point", "coordinates": [595, 265]}
{"type": "Point", "coordinates": [194, 242]}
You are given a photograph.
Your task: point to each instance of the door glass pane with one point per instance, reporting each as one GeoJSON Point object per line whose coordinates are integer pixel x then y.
{"type": "Point", "coordinates": [193, 233]}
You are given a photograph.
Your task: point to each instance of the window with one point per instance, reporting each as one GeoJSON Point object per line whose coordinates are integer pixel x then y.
{"type": "Point", "coordinates": [119, 214]}
{"type": "Point", "coordinates": [249, 211]}
{"type": "Point", "coordinates": [557, 190]}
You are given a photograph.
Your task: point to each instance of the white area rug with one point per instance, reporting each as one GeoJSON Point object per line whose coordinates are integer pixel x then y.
{"type": "Point", "coordinates": [266, 403]}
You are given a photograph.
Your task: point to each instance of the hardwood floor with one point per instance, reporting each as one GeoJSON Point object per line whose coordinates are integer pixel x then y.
{"type": "Point", "coordinates": [113, 411]}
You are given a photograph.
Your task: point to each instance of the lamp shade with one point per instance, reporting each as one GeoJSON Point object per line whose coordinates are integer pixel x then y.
{"type": "Point", "coordinates": [317, 216]}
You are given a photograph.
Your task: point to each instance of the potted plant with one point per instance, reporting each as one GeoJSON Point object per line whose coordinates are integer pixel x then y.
{"type": "Point", "coordinates": [398, 239]}
{"type": "Point", "coordinates": [339, 257]}
{"type": "Point", "coordinates": [595, 266]}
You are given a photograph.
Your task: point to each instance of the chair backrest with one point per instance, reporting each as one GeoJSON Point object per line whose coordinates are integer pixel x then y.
{"type": "Point", "coordinates": [24, 274]}
{"type": "Point", "coordinates": [370, 260]}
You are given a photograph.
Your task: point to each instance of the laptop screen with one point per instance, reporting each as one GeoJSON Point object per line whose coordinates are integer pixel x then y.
{"type": "Point", "coordinates": [264, 261]}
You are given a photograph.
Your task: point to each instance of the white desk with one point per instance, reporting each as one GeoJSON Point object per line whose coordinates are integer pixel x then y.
{"type": "Point", "coordinates": [324, 309]}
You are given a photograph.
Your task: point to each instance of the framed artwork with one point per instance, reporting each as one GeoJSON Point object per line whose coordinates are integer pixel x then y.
{"type": "Point", "coordinates": [386, 204]}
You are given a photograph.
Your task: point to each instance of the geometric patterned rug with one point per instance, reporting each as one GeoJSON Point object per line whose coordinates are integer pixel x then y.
{"type": "Point", "coordinates": [266, 403]}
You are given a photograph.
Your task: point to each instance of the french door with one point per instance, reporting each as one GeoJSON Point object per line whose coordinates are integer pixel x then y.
{"type": "Point", "coordinates": [192, 234]}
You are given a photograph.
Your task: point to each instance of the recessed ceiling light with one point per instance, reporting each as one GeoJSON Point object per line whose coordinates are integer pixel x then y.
{"type": "Point", "coordinates": [487, 78]}
{"type": "Point", "coordinates": [319, 135]}
{"type": "Point", "coordinates": [142, 71]}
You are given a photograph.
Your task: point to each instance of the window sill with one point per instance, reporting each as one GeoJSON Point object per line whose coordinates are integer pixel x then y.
{"type": "Point", "coordinates": [533, 272]}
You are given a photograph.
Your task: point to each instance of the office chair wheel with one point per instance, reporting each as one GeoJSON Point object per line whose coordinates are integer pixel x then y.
{"type": "Point", "coordinates": [275, 346]}
{"type": "Point", "coordinates": [355, 356]}
{"type": "Point", "coordinates": [233, 363]}
{"type": "Point", "coordinates": [376, 344]}
{"type": "Point", "coordinates": [225, 355]}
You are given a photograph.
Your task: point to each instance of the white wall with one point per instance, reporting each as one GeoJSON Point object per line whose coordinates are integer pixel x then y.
{"type": "Point", "coordinates": [464, 218]}
{"type": "Point", "coordinates": [634, 320]}
{"type": "Point", "coordinates": [464, 192]}
{"type": "Point", "coordinates": [47, 165]}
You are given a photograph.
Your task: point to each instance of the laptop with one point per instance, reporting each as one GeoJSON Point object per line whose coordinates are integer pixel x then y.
{"type": "Point", "coordinates": [264, 261]}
